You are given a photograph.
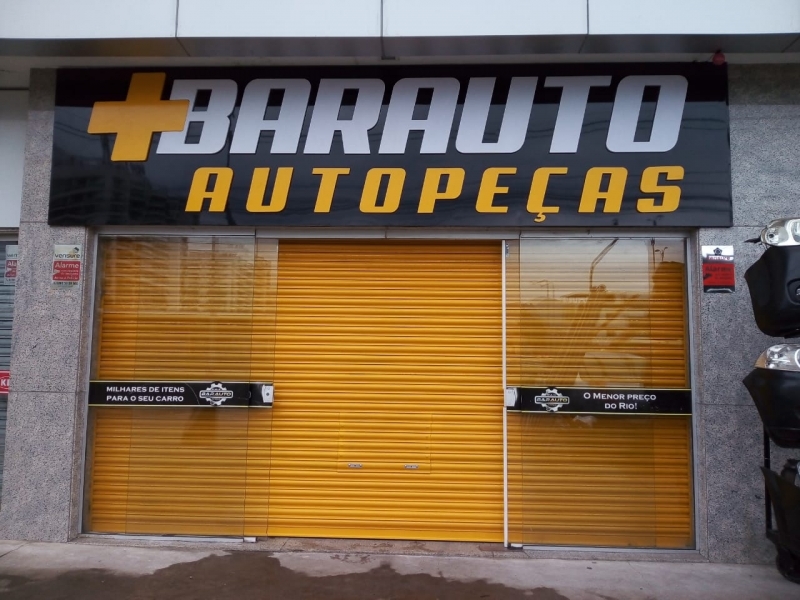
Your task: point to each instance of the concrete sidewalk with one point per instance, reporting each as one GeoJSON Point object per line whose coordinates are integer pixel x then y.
{"type": "Point", "coordinates": [121, 570]}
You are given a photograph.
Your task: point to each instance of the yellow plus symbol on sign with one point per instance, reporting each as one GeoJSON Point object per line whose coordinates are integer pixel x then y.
{"type": "Point", "coordinates": [138, 117]}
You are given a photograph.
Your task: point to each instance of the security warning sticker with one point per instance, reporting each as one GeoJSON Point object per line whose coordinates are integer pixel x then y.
{"type": "Point", "coordinates": [67, 261]}
{"type": "Point", "coordinates": [10, 276]}
{"type": "Point", "coordinates": [718, 269]}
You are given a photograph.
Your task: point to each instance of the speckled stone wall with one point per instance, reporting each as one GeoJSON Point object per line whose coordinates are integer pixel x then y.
{"type": "Point", "coordinates": [47, 416]}
{"type": "Point", "coordinates": [46, 422]}
{"type": "Point", "coordinates": [765, 162]}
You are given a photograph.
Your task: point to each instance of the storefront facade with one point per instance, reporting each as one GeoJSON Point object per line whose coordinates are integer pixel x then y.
{"type": "Point", "coordinates": [384, 333]}
{"type": "Point", "coordinates": [456, 301]}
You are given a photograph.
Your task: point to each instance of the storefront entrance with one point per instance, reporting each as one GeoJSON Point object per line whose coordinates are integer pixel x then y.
{"type": "Point", "coordinates": [600, 325]}
{"type": "Point", "coordinates": [388, 413]}
{"type": "Point", "coordinates": [387, 363]}
{"type": "Point", "coordinates": [8, 255]}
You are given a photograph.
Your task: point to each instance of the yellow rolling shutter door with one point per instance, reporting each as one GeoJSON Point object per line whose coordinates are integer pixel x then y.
{"type": "Point", "coordinates": [388, 407]}
{"type": "Point", "coordinates": [388, 357]}
{"type": "Point", "coordinates": [606, 480]}
{"type": "Point", "coordinates": [618, 323]}
{"type": "Point", "coordinates": [388, 414]}
{"type": "Point", "coordinates": [599, 314]}
{"type": "Point", "coordinates": [177, 309]}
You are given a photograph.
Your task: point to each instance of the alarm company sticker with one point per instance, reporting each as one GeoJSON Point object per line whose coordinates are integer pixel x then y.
{"type": "Point", "coordinates": [551, 400]}
{"type": "Point", "coordinates": [12, 253]}
{"type": "Point", "coordinates": [719, 274]}
{"type": "Point", "coordinates": [67, 259]}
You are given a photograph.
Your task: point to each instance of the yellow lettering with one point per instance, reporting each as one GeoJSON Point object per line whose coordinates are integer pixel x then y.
{"type": "Point", "coordinates": [327, 186]}
{"type": "Point", "coordinates": [489, 189]}
{"type": "Point", "coordinates": [671, 193]}
{"type": "Point", "coordinates": [612, 197]}
{"type": "Point", "coordinates": [218, 195]}
{"type": "Point", "coordinates": [541, 177]}
{"type": "Point", "coordinates": [258, 190]}
{"type": "Point", "coordinates": [430, 187]}
{"type": "Point", "coordinates": [394, 189]}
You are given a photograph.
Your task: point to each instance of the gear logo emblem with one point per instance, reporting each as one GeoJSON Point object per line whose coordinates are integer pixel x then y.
{"type": "Point", "coordinates": [552, 400]}
{"type": "Point", "coordinates": [216, 394]}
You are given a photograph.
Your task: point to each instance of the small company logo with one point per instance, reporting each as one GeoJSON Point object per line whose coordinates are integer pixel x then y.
{"type": "Point", "coordinates": [552, 400]}
{"type": "Point", "coordinates": [216, 394]}
{"type": "Point", "coordinates": [717, 253]}
{"type": "Point", "coordinates": [67, 253]}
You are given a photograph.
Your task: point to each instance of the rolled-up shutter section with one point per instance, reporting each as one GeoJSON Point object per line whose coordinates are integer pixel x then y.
{"type": "Point", "coordinates": [179, 309]}
{"type": "Point", "coordinates": [599, 313]}
{"type": "Point", "coordinates": [388, 404]}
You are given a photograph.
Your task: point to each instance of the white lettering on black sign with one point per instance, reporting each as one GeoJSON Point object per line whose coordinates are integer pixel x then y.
{"type": "Point", "coordinates": [400, 121]}
{"type": "Point", "coordinates": [582, 400]}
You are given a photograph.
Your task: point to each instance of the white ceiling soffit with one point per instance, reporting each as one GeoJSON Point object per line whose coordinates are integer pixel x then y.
{"type": "Point", "coordinates": [89, 28]}
{"type": "Point", "coordinates": [692, 26]}
{"type": "Point", "coordinates": [455, 27]}
{"type": "Point", "coordinates": [694, 17]}
{"type": "Point", "coordinates": [297, 28]}
{"type": "Point", "coordinates": [404, 29]}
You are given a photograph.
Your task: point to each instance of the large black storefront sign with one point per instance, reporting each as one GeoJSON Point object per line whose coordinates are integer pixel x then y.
{"type": "Point", "coordinates": [478, 146]}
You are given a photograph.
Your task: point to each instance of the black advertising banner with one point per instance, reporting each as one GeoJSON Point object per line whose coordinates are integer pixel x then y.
{"type": "Point", "coordinates": [181, 394]}
{"type": "Point", "coordinates": [599, 401]}
{"type": "Point", "coordinates": [406, 146]}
